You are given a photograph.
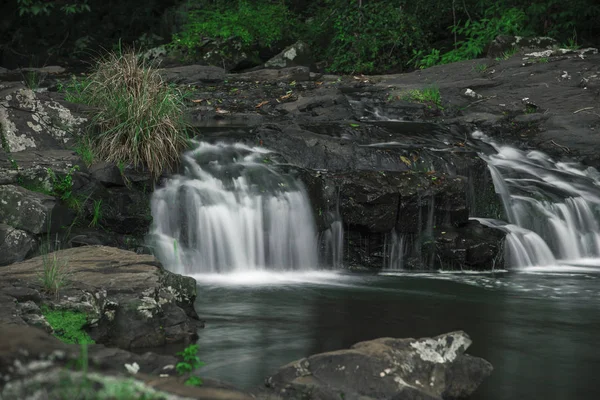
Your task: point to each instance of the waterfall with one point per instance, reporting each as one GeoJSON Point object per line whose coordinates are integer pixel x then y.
{"type": "Point", "coordinates": [232, 210]}
{"type": "Point", "coordinates": [394, 251]}
{"type": "Point", "coordinates": [552, 207]}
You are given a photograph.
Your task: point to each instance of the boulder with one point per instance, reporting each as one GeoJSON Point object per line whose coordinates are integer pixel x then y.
{"type": "Point", "coordinates": [35, 120]}
{"type": "Point", "coordinates": [15, 244]}
{"type": "Point", "coordinates": [32, 212]}
{"type": "Point", "coordinates": [506, 43]}
{"type": "Point", "coordinates": [298, 74]}
{"type": "Point", "coordinates": [386, 368]}
{"type": "Point", "coordinates": [295, 55]}
{"type": "Point", "coordinates": [130, 300]}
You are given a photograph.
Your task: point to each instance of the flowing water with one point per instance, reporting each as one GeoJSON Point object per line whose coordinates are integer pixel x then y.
{"type": "Point", "coordinates": [553, 207]}
{"type": "Point", "coordinates": [231, 210]}
{"type": "Point", "coordinates": [234, 221]}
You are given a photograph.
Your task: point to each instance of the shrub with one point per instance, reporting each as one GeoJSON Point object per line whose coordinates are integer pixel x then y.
{"type": "Point", "coordinates": [68, 325]}
{"type": "Point", "coordinates": [139, 118]}
{"type": "Point", "coordinates": [190, 362]}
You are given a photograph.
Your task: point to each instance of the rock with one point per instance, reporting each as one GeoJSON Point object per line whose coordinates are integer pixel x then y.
{"type": "Point", "coordinates": [386, 368]}
{"type": "Point", "coordinates": [35, 120]}
{"type": "Point", "coordinates": [32, 212]}
{"type": "Point", "coordinates": [193, 74]}
{"type": "Point", "coordinates": [31, 359]}
{"type": "Point", "coordinates": [126, 211]}
{"type": "Point", "coordinates": [505, 43]}
{"type": "Point", "coordinates": [298, 54]}
{"type": "Point", "coordinates": [31, 166]}
{"type": "Point", "coordinates": [107, 173]}
{"type": "Point", "coordinates": [131, 302]}
{"type": "Point", "coordinates": [15, 244]}
{"type": "Point", "coordinates": [298, 74]}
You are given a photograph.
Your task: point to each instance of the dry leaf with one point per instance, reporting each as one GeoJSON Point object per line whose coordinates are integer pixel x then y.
{"type": "Point", "coordinates": [197, 101]}
{"type": "Point", "coordinates": [221, 111]}
{"type": "Point", "coordinates": [262, 103]}
{"type": "Point", "coordinates": [286, 96]}
{"type": "Point", "coordinates": [406, 161]}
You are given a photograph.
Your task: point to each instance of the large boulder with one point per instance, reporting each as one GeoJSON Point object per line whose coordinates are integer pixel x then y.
{"type": "Point", "coordinates": [387, 368]}
{"type": "Point", "coordinates": [35, 120]}
{"type": "Point", "coordinates": [15, 244]}
{"type": "Point", "coordinates": [295, 55]}
{"type": "Point", "coordinates": [130, 300]}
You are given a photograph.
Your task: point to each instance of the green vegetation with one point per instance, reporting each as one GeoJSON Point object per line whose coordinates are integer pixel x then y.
{"type": "Point", "coordinates": [32, 79]}
{"type": "Point", "coordinates": [68, 325]}
{"type": "Point", "coordinates": [430, 96]}
{"type": "Point", "coordinates": [97, 214]}
{"type": "Point", "coordinates": [55, 270]}
{"type": "Point", "coordinates": [84, 149]}
{"type": "Point", "coordinates": [190, 362]}
{"type": "Point", "coordinates": [139, 118]}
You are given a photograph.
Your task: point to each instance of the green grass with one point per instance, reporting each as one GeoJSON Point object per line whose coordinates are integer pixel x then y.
{"type": "Point", "coordinates": [68, 325]}
{"type": "Point", "coordinates": [32, 79]}
{"type": "Point", "coordinates": [430, 96]}
{"type": "Point", "coordinates": [138, 118]}
{"type": "Point", "coordinates": [85, 151]}
{"type": "Point", "coordinates": [55, 272]}
{"type": "Point", "coordinates": [481, 68]}
{"type": "Point", "coordinates": [97, 214]}
{"type": "Point", "coordinates": [508, 54]}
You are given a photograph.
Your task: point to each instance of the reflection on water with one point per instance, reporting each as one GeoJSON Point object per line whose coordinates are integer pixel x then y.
{"type": "Point", "coordinates": [538, 329]}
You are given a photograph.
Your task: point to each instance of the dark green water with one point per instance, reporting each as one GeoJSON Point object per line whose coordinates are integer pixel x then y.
{"type": "Point", "coordinates": [539, 329]}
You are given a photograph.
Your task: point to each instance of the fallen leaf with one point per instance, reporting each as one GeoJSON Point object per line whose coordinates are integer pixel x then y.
{"type": "Point", "coordinates": [262, 103]}
{"type": "Point", "coordinates": [221, 111]}
{"type": "Point", "coordinates": [406, 161]}
{"type": "Point", "coordinates": [286, 96]}
{"type": "Point", "coordinates": [197, 100]}
{"type": "Point", "coordinates": [318, 83]}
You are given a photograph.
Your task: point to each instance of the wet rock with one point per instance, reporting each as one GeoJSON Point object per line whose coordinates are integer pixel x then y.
{"type": "Point", "coordinates": [32, 212]}
{"type": "Point", "coordinates": [193, 74]}
{"type": "Point", "coordinates": [131, 302]}
{"type": "Point", "coordinates": [386, 368]}
{"type": "Point", "coordinates": [297, 54]}
{"type": "Point", "coordinates": [35, 120]}
{"type": "Point", "coordinates": [298, 74]}
{"type": "Point", "coordinates": [15, 244]}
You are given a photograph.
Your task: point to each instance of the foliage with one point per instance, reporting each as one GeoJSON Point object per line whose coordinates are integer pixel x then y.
{"type": "Point", "coordinates": [74, 89]}
{"type": "Point", "coordinates": [189, 364]}
{"type": "Point", "coordinates": [62, 187]}
{"type": "Point", "coordinates": [40, 7]}
{"type": "Point", "coordinates": [139, 118]}
{"type": "Point", "coordinates": [251, 22]}
{"type": "Point", "coordinates": [68, 325]}
{"type": "Point", "coordinates": [430, 96]}
{"type": "Point", "coordinates": [366, 37]}
{"type": "Point", "coordinates": [85, 151]}
{"type": "Point", "coordinates": [32, 79]}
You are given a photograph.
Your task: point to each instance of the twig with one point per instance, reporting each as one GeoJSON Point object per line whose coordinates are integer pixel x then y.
{"type": "Point", "coordinates": [583, 109]}
{"type": "Point", "coordinates": [565, 148]}
{"type": "Point", "coordinates": [479, 101]}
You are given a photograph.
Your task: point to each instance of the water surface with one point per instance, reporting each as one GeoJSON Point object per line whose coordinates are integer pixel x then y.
{"type": "Point", "coordinates": [538, 328]}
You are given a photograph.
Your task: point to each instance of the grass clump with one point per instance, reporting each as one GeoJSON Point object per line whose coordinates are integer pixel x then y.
{"type": "Point", "coordinates": [55, 271]}
{"type": "Point", "coordinates": [68, 325]}
{"type": "Point", "coordinates": [138, 118]}
{"type": "Point", "coordinates": [430, 96]}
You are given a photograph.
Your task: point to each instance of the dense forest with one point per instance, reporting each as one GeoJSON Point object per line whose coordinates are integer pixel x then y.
{"type": "Point", "coordinates": [346, 36]}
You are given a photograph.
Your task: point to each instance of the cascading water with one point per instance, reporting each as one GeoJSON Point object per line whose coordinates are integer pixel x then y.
{"type": "Point", "coordinates": [231, 211]}
{"type": "Point", "coordinates": [553, 208]}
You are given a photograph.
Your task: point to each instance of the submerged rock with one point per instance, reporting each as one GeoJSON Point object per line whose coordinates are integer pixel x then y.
{"type": "Point", "coordinates": [386, 368]}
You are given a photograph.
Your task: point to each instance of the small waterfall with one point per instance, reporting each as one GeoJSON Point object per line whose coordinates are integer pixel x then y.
{"type": "Point", "coordinates": [553, 208]}
{"type": "Point", "coordinates": [394, 250]}
{"type": "Point", "coordinates": [332, 243]}
{"type": "Point", "coordinates": [232, 211]}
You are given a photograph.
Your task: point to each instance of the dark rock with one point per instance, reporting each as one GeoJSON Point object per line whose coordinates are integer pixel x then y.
{"type": "Point", "coordinates": [15, 244]}
{"type": "Point", "coordinates": [193, 74]}
{"type": "Point", "coordinates": [297, 54]}
{"type": "Point", "coordinates": [107, 173]}
{"type": "Point", "coordinates": [32, 212]}
{"type": "Point", "coordinates": [298, 74]}
{"type": "Point", "coordinates": [126, 211]}
{"type": "Point", "coordinates": [505, 43]}
{"type": "Point", "coordinates": [31, 166]}
{"type": "Point", "coordinates": [386, 368]}
{"type": "Point", "coordinates": [35, 120]}
{"type": "Point", "coordinates": [131, 302]}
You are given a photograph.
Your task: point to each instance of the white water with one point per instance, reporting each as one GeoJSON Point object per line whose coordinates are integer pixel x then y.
{"type": "Point", "coordinates": [553, 208]}
{"type": "Point", "coordinates": [231, 211]}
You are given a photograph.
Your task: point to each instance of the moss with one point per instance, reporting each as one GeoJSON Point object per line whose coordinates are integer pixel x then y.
{"type": "Point", "coordinates": [68, 325]}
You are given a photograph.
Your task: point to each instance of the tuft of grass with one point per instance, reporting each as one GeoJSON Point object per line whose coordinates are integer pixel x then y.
{"type": "Point", "coordinates": [84, 149]}
{"type": "Point", "coordinates": [55, 271]}
{"type": "Point", "coordinates": [430, 96]}
{"type": "Point", "coordinates": [97, 214]}
{"type": "Point", "coordinates": [68, 325]}
{"type": "Point", "coordinates": [481, 68]}
{"type": "Point", "coordinates": [139, 117]}
{"type": "Point", "coordinates": [508, 54]}
{"type": "Point", "coordinates": [32, 79]}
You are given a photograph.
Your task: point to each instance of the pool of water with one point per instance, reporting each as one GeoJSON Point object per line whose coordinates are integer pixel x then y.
{"type": "Point", "coordinates": [539, 327]}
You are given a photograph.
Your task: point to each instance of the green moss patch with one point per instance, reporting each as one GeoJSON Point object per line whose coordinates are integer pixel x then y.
{"type": "Point", "coordinates": [68, 325]}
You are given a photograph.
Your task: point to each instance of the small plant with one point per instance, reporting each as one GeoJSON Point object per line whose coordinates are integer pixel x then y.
{"type": "Point", "coordinates": [68, 326]}
{"type": "Point", "coordinates": [97, 213]}
{"type": "Point", "coordinates": [84, 149]}
{"type": "Point", "coordinates": [33, 79]}
{"type": "Point", "coordinates": [190, 363]}
{"type": "Point", "coordinates": [481, 68]}
{"type": "Point", "coordinates": [74, 89]}
{"type": "Point", "coordinates": [62, 187]}
{"type": "Point", "coordinates": [55, 271]}
{"type": "Point", "coordinates": [430, 96]}
{"type": "Point", "coordinates": [508, 54]}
